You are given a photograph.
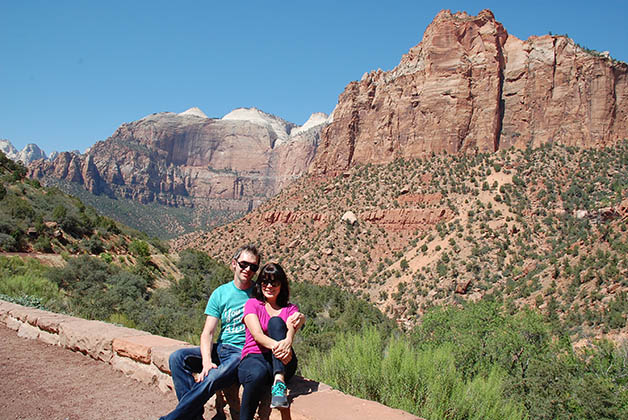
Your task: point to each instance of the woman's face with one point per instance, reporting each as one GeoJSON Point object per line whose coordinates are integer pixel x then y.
{"type": "Point", "coordinates": [271, 290]}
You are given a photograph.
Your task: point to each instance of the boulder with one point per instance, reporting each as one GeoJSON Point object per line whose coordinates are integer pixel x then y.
{"type": "Point", "coordinates": [350, 218]}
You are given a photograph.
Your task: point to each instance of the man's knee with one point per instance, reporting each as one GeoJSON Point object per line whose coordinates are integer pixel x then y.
{"type": "Point", "coordinates": [187, 359]}
{"type": "Point", "coordinates": [175, 360]}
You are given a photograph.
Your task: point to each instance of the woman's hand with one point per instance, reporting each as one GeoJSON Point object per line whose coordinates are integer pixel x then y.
{"type": "Point", "coordinates": [297, 320]}
{"type": "Point", "coordinates": [282, 349]}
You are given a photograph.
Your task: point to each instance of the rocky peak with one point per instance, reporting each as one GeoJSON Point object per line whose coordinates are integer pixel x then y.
{"type": "Point", "coordinates": [317, 119]}
{"type": "Point", "coordinates": [8, 149]}
{"type": "Point", "coordinates": [229, 164]}
{"type": "Point", "coordinates": [28, 154]}
{"type": "Point", "coordinates": [470, 87]}
{"type": "Point", "coordinates": [196, 112]}
{"type": "Point", "coordinates": [278, 128]}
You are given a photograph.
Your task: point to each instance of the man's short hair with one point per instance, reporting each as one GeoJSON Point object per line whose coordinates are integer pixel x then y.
{"type": "Point", "coordinates": [248, 248]}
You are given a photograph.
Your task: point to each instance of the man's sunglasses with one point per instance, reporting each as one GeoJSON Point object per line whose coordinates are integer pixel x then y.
{"type": "Point", "coordinates": [245, 264]}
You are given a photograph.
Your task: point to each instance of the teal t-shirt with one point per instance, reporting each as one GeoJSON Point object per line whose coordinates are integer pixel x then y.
{"type": "Point", "coordinates": [227, 304]}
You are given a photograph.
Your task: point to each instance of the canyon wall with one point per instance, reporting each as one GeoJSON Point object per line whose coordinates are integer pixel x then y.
{"type": "Point", "coordinates": [187, 159]}
{"type": "Point", "coordinates": [471, 87]}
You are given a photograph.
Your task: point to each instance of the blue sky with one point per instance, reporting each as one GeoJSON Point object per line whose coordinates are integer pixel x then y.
{"type": "Point", "coordinates": [72, 71]}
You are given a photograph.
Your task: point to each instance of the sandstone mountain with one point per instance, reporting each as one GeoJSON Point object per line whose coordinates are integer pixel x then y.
{"type": "Point", "coordinates": [407, 204]}
{"type": "Point", "coordinates": [28, 154]}
{"type": "Point", "coordinates": [190, 160]}
{"type": "Point", "coordinates": [468, 87]}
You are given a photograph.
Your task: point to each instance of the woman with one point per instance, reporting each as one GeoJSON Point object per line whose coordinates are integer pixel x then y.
{"type": "Point", "coordinates": [267, 357]}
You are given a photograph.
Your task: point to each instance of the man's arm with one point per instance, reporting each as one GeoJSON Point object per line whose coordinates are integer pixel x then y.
{"type": "Point", "coordinates": [207, 341]}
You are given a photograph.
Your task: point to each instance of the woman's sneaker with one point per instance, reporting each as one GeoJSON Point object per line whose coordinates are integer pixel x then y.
{"type": "Point", "coordinates": [278, 397]}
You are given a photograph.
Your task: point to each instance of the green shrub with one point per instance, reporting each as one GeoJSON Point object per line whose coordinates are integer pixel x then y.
{"type": "Point", "coordinates": [30, 285]}
{"type": "Point", "coordinates": [122, 319]}
{"type": "Point", "coordinates": [7, 242]}
{"type": "Point", "coordinates": [423, 382]}
{"type": "Point", "coordinates": [139, 248]}
{"type": "Point", "coordinates": [43, 244]}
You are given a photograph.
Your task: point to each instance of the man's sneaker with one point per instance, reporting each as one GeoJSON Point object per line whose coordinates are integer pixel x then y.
{"type": "Point", "coordinates": [278, 396]}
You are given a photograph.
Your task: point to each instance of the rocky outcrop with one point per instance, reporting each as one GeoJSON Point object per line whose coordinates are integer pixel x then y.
{"type": "Point", "coordinates": [404, 219]}
{"type": "Point", "coordinates": [29, 153]}
{"type": "Point", "coordinates": [187, 159]}
{"type": "Point", "coordinates": [7, 148]}
{"type": "Point", "coordinates": [272, 217]}
{"type": "Point", "coordinates": [471, 87]}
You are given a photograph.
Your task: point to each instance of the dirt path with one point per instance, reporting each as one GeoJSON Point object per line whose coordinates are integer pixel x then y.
{"type": "Point", "coordinates": [40, 381]}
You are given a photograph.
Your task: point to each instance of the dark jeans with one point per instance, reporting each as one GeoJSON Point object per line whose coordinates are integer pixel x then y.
{"type": "Point", "coordinates": [192, 395]}
{"type": "Point", "coordinates": [256, 371]}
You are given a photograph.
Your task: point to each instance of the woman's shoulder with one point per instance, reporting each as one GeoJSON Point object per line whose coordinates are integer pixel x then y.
{"type": "Point", "coordinates": [253, 303]}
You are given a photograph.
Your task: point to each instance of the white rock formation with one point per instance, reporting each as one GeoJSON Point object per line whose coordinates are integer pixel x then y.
{"type": "Point", "coordinates": [194, 111]}
{"type": "Point", "coordinates": [30, 152]}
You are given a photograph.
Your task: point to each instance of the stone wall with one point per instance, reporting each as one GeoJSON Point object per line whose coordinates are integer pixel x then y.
{"type": "Point", "coordinates": [144, 357]}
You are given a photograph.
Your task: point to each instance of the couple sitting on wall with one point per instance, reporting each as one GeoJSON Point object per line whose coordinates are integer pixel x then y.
{"type": "Point", "coordinates": [254, 346]}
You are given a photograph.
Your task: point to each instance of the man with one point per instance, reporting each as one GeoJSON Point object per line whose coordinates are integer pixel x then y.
{"type": "Point", "coordinates": [216, 365]}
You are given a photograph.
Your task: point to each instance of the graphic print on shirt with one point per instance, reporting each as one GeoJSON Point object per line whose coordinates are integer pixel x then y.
{"type": "Point", "coordinates": [232, 320]}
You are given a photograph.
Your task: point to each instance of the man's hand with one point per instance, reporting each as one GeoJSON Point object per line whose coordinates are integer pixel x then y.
{"type": "Point", "coordinates": [205, 371]}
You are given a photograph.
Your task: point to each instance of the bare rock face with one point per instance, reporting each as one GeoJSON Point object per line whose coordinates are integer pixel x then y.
{"type": "Point", "coordinates": [29, 153]}
{"type": "Point", "coordinates": [8, 149]}
{"type": "Point", "coordinates": [471, 87]}
{"type": "Point", "coordinates": [188, 159]}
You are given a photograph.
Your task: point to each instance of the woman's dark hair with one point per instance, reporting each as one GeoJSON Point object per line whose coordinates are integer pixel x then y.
{"type": "Point", "coordinates": [273, 272]}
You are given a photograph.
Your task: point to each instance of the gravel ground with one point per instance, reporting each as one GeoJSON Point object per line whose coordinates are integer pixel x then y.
{"type": "Point", "coordinates": [40, 381]}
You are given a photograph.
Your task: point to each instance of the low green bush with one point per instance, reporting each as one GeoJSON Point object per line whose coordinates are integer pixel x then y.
{"type": "Point", "coordinates": [30, 285]}
{"type": "Point", "coordinates": [478, 362]}
{"type": "Point", "coordinates": [423, 382]}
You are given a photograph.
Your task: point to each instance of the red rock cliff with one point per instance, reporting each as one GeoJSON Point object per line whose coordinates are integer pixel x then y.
{"type": "Point", "coordinates": [469, 86]}
{"type": "Point", "coordinates": [189, 160]}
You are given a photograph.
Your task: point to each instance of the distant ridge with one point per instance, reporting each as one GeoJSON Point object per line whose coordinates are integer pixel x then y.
{"type": "Point", "coordinates": [28, 154]}
{"type": "Point", "coordinates": [218, 169]}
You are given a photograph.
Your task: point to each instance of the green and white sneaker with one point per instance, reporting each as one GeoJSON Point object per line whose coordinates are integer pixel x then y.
{"type": "Point", "coordinates": [278, 396]}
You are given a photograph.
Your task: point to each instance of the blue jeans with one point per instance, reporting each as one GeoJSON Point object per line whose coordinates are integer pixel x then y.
{"type": "Point", "coordinates": [256, 371]}
{"type": "Point", "coordinates": [192, 395]}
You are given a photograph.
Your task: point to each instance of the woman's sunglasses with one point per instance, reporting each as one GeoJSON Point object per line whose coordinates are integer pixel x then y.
{"type": "Point", "coordinates": [245, 264]}
{"type": "Point", "coordinates": [274, 283]}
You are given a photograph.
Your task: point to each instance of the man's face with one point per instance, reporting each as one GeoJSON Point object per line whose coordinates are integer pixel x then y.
{"type": "Point", "coordinates": [245, 267]}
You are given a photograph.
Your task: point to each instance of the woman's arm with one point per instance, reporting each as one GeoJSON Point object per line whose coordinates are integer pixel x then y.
{"type": "Point", "coordinates": [255, 328]}
{"type": "Point", "coordinates": [282, 350]}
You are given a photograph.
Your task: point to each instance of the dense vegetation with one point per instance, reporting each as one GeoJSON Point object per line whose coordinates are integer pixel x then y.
{"type": "Point", "coordinates": [34, 218]}
{"type": "Point", "coordinates": [480, 361]}
{"type": "Point", "coordinates": [544, 227]}
{"type": "Point", "coordinates": [534, 234]}
{"type": "Point", "coordinates": [172, 221]}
